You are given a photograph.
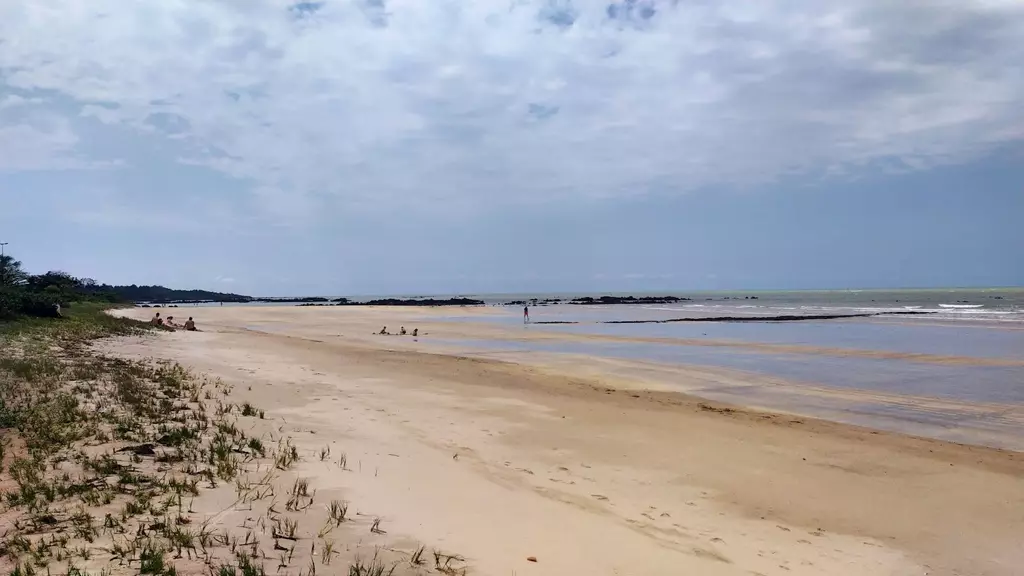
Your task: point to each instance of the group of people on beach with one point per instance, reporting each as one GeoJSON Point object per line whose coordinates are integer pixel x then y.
{"type": "Point", "coordinates": [401, 332]}
{"type": "Point", "coordinates": [416, 331]}
{"type": "Point", "coordinates": [189, 325]}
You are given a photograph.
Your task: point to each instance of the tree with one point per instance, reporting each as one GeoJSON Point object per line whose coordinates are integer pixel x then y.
{"type": "Point", "coordinates": [62, 280]}
{"type": "Point", "coordinates": [11, 272]}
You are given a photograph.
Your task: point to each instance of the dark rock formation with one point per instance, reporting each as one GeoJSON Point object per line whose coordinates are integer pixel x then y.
{"type": "Point", "coordinates": [415, 302]}
{"type": "Point", "coordinates": [292, 300]}
{"type": "Point", "coordinates": [628, 300]}
{"type": "Point", "coordinates": [534, 302]}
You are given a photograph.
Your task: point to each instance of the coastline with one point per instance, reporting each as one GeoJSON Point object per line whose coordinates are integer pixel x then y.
{"type": "Point", "coordinates": [569, 458]}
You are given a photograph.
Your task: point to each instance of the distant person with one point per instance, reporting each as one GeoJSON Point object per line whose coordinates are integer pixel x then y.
{"type": "Point", "coordinates": [56, 310]}
{"type": "Point", "coordinates": [402, 332]}
{"type": "Point", "coordinates": [383, 330]}
{"type": "Point", "coordinates": [526, 314]}
{"type": "Point", "coordinates": [190, 325]}
{"type": "Point", "coordinates": [170, 322]}
{"type": "Point", "coordinates": [157, 320]}
{"type": "Point", "coordinates": [415, 332]}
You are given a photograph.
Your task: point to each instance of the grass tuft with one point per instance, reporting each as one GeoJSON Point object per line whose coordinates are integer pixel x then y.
{"type": "Point", "coordinates": [375, 567]}
{"type": "Point", "coordinates": [336, 511]}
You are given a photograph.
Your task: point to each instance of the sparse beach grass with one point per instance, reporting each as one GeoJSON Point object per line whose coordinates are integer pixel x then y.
{"type": "Point", "coordinates": [102, 461]}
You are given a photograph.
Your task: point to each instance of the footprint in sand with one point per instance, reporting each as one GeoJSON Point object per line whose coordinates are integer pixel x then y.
{"type": "Point", "coordinates": [601, 497]}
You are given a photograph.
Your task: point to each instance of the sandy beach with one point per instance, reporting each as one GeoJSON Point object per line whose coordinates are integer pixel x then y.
{"type": "Point", "coordinates": [532, 464]}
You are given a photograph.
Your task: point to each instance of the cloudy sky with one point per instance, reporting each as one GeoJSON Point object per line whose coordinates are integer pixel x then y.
{"type": "Point", "coordinates": [436, 146]}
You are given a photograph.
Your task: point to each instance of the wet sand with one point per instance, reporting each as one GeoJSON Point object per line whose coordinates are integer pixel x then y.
{"type": "Point", "coordinates": [596, 466]}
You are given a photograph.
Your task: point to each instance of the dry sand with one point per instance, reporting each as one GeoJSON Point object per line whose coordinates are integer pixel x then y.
{"type": "Point", "coordinates": [593, 470]}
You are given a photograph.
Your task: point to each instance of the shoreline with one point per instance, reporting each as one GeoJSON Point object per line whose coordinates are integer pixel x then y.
{"type": "Point", "coordinates": [679, 483]}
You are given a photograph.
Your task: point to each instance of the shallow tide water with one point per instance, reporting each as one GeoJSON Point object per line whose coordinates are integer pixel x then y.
{"type": "Point", "coordinates": [960, 398]}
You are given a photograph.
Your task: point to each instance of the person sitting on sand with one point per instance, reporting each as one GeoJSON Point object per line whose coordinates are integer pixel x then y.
{"type": "Point", "coordinates": [402, 331]}
{"type": "Point", "coordinates": [190, 325]}
{"type": "Point", "coordinates": [157, 320]}
{"type": "Point", "coordinates": [415, 332]}
{"type": "Point", "coordinates": [383, 330]}
{"type": "Point", "coordinates": [170, 322]}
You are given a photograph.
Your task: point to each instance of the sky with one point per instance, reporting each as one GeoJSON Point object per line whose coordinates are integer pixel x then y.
{"type": "Point", "coordinates": [349, 147]}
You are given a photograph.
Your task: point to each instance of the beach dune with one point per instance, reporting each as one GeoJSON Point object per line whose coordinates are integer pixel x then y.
{"type": "Point", "coordinates": [544, 469]}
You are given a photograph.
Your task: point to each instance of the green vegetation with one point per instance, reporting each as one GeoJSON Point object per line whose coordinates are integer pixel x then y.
{"type": "Point", "coordinates": [23, 294]}
{"type": "Point", "coordinates": [101, 455]}
{"type": "Point", "coordinates": [102, 459]}
{"type": "Point", "coordinates": [81, 323]}
{"type": "Point", "coordinates": [162, 295]}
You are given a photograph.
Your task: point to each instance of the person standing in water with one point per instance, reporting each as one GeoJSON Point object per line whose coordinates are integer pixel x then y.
{"type": "Point", "coordinates": [526, 314]}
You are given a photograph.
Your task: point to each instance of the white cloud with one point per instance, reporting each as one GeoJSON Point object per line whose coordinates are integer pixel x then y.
{"type": "Point", "coordinates": [111, 215]}
{"type": "Point", "coordinates": [42, 141]}
{"type": "Point", "coordinates": [449, 103]}
{"type": "Point", "coordinates": [101, 207]}
{"type": "Point", "coordinates": [14, 100]}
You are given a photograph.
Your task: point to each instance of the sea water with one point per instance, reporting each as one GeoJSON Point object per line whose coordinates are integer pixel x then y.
{"type": "Point", "coordinates": [973, 330]}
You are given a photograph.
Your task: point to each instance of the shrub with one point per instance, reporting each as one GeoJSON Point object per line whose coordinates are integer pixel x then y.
{"type": "Point", "coordinates": [17, 301]}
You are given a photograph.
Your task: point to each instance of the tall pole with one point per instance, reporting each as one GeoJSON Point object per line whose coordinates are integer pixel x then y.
{"type": "Point", "coordinates": [3, 264]}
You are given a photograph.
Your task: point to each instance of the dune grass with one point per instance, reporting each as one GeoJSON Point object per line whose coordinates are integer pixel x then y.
{"type": "Point", "coordinates": [102, 459]}
{"type": "Point", "coordinates": [100, 453]}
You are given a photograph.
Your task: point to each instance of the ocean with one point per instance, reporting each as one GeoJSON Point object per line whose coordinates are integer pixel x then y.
{"type": "Point", "coordinates": [953, 370]}
{"type": "Point", "coordinates": [998, 304]}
